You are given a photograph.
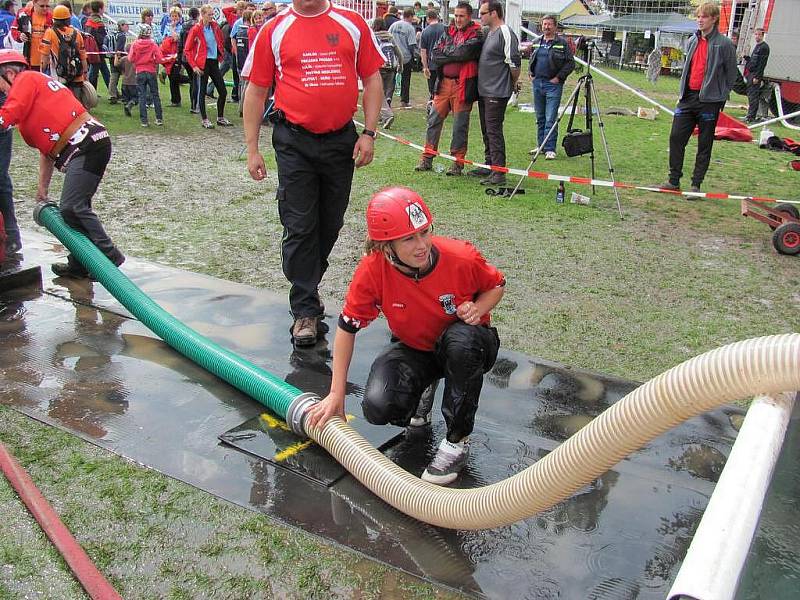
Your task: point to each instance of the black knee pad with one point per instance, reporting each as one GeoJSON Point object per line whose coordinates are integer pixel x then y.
{"type": "Point", "coordinates": [468, 350]}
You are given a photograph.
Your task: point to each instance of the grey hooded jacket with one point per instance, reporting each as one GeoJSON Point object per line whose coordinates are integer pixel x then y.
{"type": "Point", "coordinates": [721, 69]}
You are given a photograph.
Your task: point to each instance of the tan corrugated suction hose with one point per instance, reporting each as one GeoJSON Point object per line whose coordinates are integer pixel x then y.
{"type": "Point", "coordinates": [738, 371]}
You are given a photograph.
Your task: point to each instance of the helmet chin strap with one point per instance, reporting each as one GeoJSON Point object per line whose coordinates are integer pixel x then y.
{"type": "Point", "coordinates": [395, 260]}
{"type": "Point", "coordinates": [416, 272]}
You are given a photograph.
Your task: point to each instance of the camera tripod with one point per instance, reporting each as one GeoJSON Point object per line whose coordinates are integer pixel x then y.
{"type": "Point", "coordinates": [585, 84]}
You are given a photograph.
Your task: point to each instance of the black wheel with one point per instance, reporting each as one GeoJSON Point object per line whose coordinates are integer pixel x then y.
{"type": "Point", "coordinates": [790, 210]}
{"type": "Point", "coordinates": [786, 239]}
{"type": "Point", "coordinates": [490, 192]}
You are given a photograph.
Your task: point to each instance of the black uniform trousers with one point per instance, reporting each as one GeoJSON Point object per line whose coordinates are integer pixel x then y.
{"type": "Point", "coordinates": [315, 173]}
{"type": "Point", "coordinates": [492, 112]}
{"type": "Point", "coordinates": [400, 374]}
{"type": "Point", "coordinates": [689, 113]}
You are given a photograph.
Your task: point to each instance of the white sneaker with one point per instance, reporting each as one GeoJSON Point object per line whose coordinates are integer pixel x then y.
{"type": "Point", "coordinates": [550, 155]}
{"type": "Point", "coordinates": [450, 459]}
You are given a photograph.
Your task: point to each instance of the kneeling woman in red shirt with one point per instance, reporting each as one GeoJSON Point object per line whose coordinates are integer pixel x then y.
{"type": "Point", "coordinates": [436, 294]}
{"type": "Point", "coordinates": [69, 139]}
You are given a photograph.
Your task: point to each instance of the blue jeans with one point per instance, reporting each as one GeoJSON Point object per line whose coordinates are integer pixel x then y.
{"type": "Point", "coordinates": [148, 88]}
{"type": "Point", "coordinates": [7, 192]}
{"type": "Point", "coordinates": [546, 99]}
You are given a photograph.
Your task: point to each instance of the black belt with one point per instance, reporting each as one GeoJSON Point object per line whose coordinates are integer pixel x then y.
{"type": "Point", "coordinates": [280, 117]}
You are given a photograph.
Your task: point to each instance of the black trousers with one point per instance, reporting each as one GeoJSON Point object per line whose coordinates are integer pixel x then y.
{"type": "Point", "coordinates": [689, 113]}
{"type": "Point", "coordinates": [83, 174]}
{"type": "Point", "coordinates": [194, 81]}
{"type": "Point", "coordinates": [315, 173]}
{"type": "Point", "coordinates": [400, 374]}
{"type": "Point", "coordinates": [492, 112]}
{"type": "Point", "coordinates": [211, 71]}
{"type": "Point", "coordinates": [175, 80]}
{"type": "Point", "coordinates": [405, 83]}
{"type": "Point", "coordinates": [754, 97]}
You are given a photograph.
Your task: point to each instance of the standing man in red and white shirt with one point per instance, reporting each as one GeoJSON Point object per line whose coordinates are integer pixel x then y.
{"type": "Point", "coordinates": [314, 55]}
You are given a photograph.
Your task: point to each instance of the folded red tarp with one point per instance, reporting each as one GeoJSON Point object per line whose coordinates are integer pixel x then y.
{"type": "Point", "coordinates": [732, 129]}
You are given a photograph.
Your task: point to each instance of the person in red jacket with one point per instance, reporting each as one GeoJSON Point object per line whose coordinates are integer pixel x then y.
{"type": "Point", "coordinates": [204, 50]}
{"type": "Point", "coordinates": [145, 55]}
{"type": "Point", "coordinates": [51, 119]}
{"type": "Point", "coordinates": [29, 27]}
{"type": "Point", "coordinates": [436, 294]}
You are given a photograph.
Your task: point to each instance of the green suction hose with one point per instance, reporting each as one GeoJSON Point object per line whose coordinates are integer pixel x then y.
{"type": "Point", "coordinates": [272, 392]}
{"type": "Point", "coordinates": [764, 365]}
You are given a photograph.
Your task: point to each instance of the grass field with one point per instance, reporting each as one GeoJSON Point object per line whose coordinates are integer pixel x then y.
{"type": "Point", "coordinates": [630, 297]}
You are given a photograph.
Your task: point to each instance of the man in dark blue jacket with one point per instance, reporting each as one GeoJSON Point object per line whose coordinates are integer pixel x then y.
{"type": "Point", "coordinates": [550, 65]}
{"type": "Point", "coordinates": [708, 77]}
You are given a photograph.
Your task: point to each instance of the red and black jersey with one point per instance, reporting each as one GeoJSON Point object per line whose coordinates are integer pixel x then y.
{"type": "Point", "coordinates": [418, 310]}
{"type": "Point", "coordinates": [42, 109]}
{"type": "Point", "coordinates": [315, 63]}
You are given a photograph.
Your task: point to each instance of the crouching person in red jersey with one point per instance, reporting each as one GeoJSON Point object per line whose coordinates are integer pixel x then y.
{"type": "Point", "coordinates": [50, 119]}
{"type": "Point", "coordinates": [436, 294]}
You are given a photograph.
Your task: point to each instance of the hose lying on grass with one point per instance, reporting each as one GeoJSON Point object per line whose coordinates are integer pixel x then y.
{"type": "Point", "coordinates": [766, 365]}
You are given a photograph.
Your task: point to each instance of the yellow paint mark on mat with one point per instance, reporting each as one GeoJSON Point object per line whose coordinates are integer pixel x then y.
{"type": "Point", "coordinates": [275, 423]}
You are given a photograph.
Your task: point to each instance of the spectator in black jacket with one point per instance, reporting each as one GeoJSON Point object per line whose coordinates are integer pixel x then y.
{"type": "Point", "coordinates": [95, 27]}
{"type": "Point", "coordinates": [194, 16]}
{"type": "Point", "coordinates": [757, 89]}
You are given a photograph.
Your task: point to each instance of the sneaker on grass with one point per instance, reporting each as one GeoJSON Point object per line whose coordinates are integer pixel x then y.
{"type": "Point", "coordinates": [450, 459]}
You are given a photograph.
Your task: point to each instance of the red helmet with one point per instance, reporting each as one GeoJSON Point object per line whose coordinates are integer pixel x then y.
{"type": "Point", "coordinates": [8, 56]}
{"type": "Point", "coordinates": [396, 212]}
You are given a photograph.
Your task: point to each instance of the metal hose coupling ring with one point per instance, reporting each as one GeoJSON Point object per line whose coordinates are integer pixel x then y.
{"type": "Point", "coordinates": [297, 410]}
{"type": "Point", "coordinates": [40, 206]}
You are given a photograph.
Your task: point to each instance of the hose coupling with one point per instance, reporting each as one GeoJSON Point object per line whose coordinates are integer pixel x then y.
{"type": "Point", "coordinates": [297, 410]}
{"type": "Point", "coordinates": [40, 206]}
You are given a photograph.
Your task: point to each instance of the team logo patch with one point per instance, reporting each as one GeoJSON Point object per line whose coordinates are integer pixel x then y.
{"type": "Point", "coordinates": [398, 305]}
{"type": "Point", "coordinates": [448, 302]}
{"type": "Point", "coordinates": [416, 215]}
{"type": "Point", "coordinates": [333, 39]}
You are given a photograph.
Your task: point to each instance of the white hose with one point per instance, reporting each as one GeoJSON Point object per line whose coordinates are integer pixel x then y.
{"type": "Point", "coordinates": [766, 365]}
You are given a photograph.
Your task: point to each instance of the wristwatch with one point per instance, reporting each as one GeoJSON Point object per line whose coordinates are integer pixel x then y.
{"type": "Point", "coordinates": [370, 133]}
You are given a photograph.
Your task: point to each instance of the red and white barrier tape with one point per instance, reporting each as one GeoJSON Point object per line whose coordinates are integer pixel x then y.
{"type": "Point", "coordinates": [581, 180]}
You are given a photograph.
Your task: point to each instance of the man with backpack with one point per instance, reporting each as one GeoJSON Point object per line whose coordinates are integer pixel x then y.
{"type": "Point", "coordinates": [393, 65]}
{"type": "Point", "coordinates": [96, 29]}
{"type": "Point", "coordinates": [406, 37]}
{"type": "Point", "coordinates": [64, 53]}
